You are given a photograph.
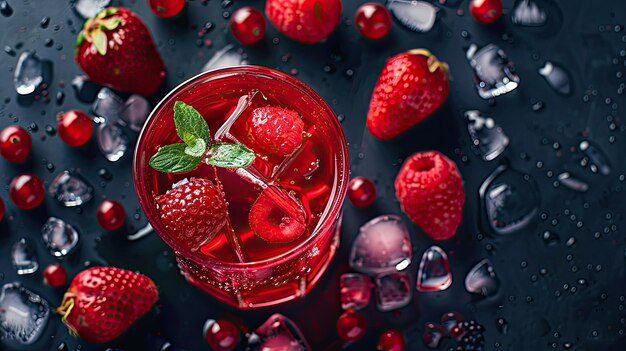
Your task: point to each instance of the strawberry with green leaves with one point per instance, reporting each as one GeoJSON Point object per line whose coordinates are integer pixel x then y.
{"type": "Point", "coordinates": [103, 302]}
{"type": "Point", "coordinates": [115, 49]}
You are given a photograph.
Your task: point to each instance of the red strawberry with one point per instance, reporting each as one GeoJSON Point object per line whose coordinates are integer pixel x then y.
{"type": "Point", "coordinates": [410, 88]}
{"type": "Point", "coordinates": [276, 218]}
{"type": "Point", "coordinates": [115, 49]}
{"type": "Point", "coordinates": [275, 130]}
{"type": "Point", "coordinates": [305, 21]}
{"type": "Point", "coordinates": [103, 302]}
{"type": "Point", "coordinates": [431, 193]}
{"type": "Point", "coordinates": [193, 212]}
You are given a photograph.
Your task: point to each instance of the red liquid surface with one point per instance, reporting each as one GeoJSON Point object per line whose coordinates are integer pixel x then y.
{"type": "Point", "coordinates": [239, 267]}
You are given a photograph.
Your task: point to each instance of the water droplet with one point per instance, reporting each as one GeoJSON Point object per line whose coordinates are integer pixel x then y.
{"type": "Point", "coordinates": [486, 135]}
{"type": "Point", "coordinates": [24, 257]}
{"type": "Point", "coordinates": [502, 326]}
{"type": "Point", "coordinates": [418, 16]}
{"type": "Point", "coordinates": [569, 181]}
{"type": "Point", "coordinates": [594, 158]}
{"type": "Point", "coordinates": [528, 13]}
{"type": "Point", "coordinates": [550, 238]}
{"type": "Point", "coordinates": [5, 9]}
{"type": "Point", "coordinates": [434, 271]}
{"type": "Point", "coordinates": [482, 279]}
{"type": "Point", "coordinates": [557, 78]}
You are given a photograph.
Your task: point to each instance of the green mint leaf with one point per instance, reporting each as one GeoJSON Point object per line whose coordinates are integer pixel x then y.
{"type": "Point", "coordinates": [230, 156]}
{"type": "Point", "coordinates": [172, 158]}
{"type": "Point", "coordinates": [197, 149]}
{"type": "Point", "coordinates": [190, 125]}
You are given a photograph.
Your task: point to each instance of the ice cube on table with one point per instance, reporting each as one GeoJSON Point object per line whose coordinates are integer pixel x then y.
{"type": "Point", "coordinates": [23, 314]}
{"type": "Point", "coordinates": [494, 73]}
{"type": "Point", "coordinates": [225, 57]}
{"type": "Point", "coordinates": [557, 78]}
{"type": "Point", "coordinates": [278, 333]}
{"type": "Point", "coordinates": [482, 279]}
{"type": "Point", "coordinates": [434, 271]}
{"type": "Point", "coordinates": [59, 237]}
{"type": "Point", "coordinates": [355, 290]}
{"type": "Point", "coordinates": [86, 90]}
{"type": "Point", "coordinates": [89, 8]}
{"type": "Point", "coordinates": [112, 141]}
{"type": "Point", "coordinates": [393, 291]}
{"type": "Point", "coordinates": [486, 135]}
{"type": "Point", "coordinates": [28, 73]}
{"type": "Point", "coordinates": [135, 112]}
{"type": "Point", "coordinates": [418, 16]}
{"type": "Point", "coordinates": [107, 106]}
{"type": "Point", "coordinates": [528, 13]}
{"type": "Point", "coordinates": [383, 245]}
{"type": "Point", "coordinates": [70, 189]}
{"type": "Point", "coordinates": [572, 182]}
{"type": "Point", "coordinates": [24, 257]}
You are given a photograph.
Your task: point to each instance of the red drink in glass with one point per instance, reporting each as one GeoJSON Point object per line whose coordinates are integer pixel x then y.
{"type": "Point", "coordinates": [238, 267]}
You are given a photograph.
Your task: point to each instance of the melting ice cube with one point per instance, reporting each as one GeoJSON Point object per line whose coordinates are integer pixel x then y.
{"type": "Point", "coordinates": [572, 182]}
{"type": "Point", "coordinates": [434, 271]}
{"type": "Point", "coordinates": [393, 291]}
{"type": "Point", "coordinates": [70, 189]}
{"type": "Point", "coordinates": [594, 158]}
{"type": "Point", "coordinates": [90, 8]}
{"type": "Point", "coordinates": [107, 106]}
{"type": "Point", "coordinates": [356, 291]}
{"type": "Point", "coordinates": [59, 237]}
{"type": "Point", "coordinates": [112, 141]}
{"type": "Point", "coordinates": [23, 314]}
{"type": "Point", "coordinates": [24, 257]}
{"type": "Point", "coordinates": [494, 73]}
{"type": "Point", "coordinates": [86, 90]}
{"type": "Point", "coordinates": [557, 78]}
{"type": "Point", "coordinates": [487, 136]}
{"type": "Point", "coordinates": [482, 279]}
{"type": "Point", "coordinates": [135, 112]}
{"type": "Point", "coordinates": [528, 13]}
{"type": "Point", "coordinates": [510, 200]}
{"type": "Point", "coordinates": [383, 245]}
{"type": "Point", "coordinates": [28, 73]}
{"type": "Point", "coordinates": [223, 58]}
{"type": "Point", "coordinates": [278, 333]}
{"type": "Point", "coordinates": [418, 16]}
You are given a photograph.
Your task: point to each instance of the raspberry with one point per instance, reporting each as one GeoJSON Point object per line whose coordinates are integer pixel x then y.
{"type": "Point", "coordinates": [276, 223]}
{"type": "Point", "coordinates": [275, 130]}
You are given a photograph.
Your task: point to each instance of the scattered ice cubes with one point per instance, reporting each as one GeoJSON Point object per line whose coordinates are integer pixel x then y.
{"type": "Point", "coordinates": [482, 279]}
{"type": "Point", "coordinates": [557, 78]}
{"type": "Point", "coordinates": [112, 141]}
{"type": "Point", "coordinates": [434, 271]}
{"type": "Point", "coordinates": [70, 189]}
{"type": "Point", "coordinates": [225, 57]}
{"type": "Point", "coordinates": [107, 107]}
{"type": "Point", "coordinates": [487, 136]}
{"type": "Point", "coordinates": [573, 183]}
{"type": "Point", "coordinates": [59, 237]}
{"type": "Point", "coordinates": [529, 14]}
{"type": "Point", "coordinates": [278, 333]}
{"type": "Point", "coordinates": [23, 314]}
{"type": "Point", "coordinates": [90, 8]}
{"type": "Point", "coordinates": [383, 245]}
{"type": "Point", "coordinates": [393, 291]}
{"type": "Point", "coordinates": [433, 335]}
{"type": "Point", "coordinates": [418, 16]}
{"type": "Point", "coordinates": [24, 257]}
{"type": "Point", "coordinates": [356, 291]}
{"type": "Point", "coordinates": [135, 112]}
{"type": "Point", "coordinates": [494, 73]}
{"type": "Point", "coordinates": [86, 90]}
{"type": "Point", "coordinates": [28, 73]}
{"type": "Point", "coordinates": [594, 158]}
{"type": "Point", "coordinates": [510, 200]}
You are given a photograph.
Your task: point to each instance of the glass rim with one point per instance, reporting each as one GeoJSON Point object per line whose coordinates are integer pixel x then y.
{"type": "Point", "coordinates": [338, 194]}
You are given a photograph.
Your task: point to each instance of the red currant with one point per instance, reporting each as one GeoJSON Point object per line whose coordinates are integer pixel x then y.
{"type": "Point", "coordinates": [75, 128]}
{"type": "Point", "coordinates": [26, 191]}
{"type": "Point", "coordinates": [248, 25]}
{"type": "Point", "coordinates": [221, 334]}
{"type": "Point", "coordinates": [15, 144]}
{"type": "Point", "coordinates": [2, 209]}
{"type": "Point", "coordinates": [373, 21]}
{"type": "Point", "coordinates": [166, 8]}
{"type": "Point", "coordinates": [351, 326]}
{"type": "Point", "coordinates": [486, 11]}
{"type": "Point", "coordinates": [361, 192]}
{"type": "Point", "coordinates": [111, 215]}
{"type": "Point", "coordinates": [391, 341]}
{"type": "Point", "coordinates": [55, 275]}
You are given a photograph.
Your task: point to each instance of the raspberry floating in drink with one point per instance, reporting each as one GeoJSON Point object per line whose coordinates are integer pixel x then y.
{"type": "Point", "coordinates": [15, 144]}
{"type": "Point", "coordinates": [111, 215]}
{"type": "Point", "coordinates": [55, 275]}
{"type": "Point", "coordinates": [373, 21]}
{"type": "Point", "coordinates": [74, 127]}
{"type": "Point", "coordinates": [247, 25]}
{"type": "Point", "coordinates": [26, 191]}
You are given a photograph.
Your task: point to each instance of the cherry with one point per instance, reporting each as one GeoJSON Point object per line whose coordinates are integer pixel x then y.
{"type": "Point", "coordinates": [111, 215]}
{"type": "Point", "coordinates": [221, 334]}
{"type": "Point", "coordinates": [15, 144]}
{"type": "Point", "coordinates": [55, 275]}
{"type": "Point", "coordinates": [2, 209]}
{"type": "Point", "coordinates": [391, 341]}
{"type": "Point", "coordinates": [26, 191]}
{"type": "Point", "coordinates": [373, 21]}
{"type": "Point", "coordinates": [166, 8]}
{"type": "Point", "coordinates": [361, 192]}
{"type": "Point", "coordinates": [248, 25]}
{"type": "Point", "coordinates": [351, 326]}
{"type": "Point", "coordinates": [74, 127]}
{"type": "Point", "coordinates": [486, 11]}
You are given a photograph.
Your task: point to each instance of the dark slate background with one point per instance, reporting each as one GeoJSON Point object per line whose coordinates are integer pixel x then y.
{"type": "Point", "coordinates": [543, 311]}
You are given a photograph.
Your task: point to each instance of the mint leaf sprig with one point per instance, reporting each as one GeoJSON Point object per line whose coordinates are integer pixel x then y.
{"type": "Point", "coordinates": [196, 146]}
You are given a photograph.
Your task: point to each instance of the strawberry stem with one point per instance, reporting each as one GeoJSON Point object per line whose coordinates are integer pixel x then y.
{"type": "Point", "coordinates": [67, 305]}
